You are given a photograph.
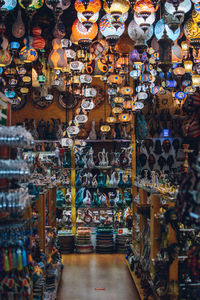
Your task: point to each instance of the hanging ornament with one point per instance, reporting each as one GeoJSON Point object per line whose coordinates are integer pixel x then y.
{"type": "Point", "coordinates": [5, 57]}
{"type": "Point", "coordinates": [8, 5]}
{"type": "Point", "coordinates": [31, 4]}
{"type": "Point", "coordinates": [57, 58]}
{"type": "Point", "coordinates": [139, 36]}
{"type": "Point", "coordinates": [84, 35]}
{"type": "Point", "coordinates": [18, 28]}
{"type": "Point", "coordinates": [38, 40]}
{"type": "Point", "coordinates": [117, 8]}
{"type": "Point", "coordinates": [28, 54]}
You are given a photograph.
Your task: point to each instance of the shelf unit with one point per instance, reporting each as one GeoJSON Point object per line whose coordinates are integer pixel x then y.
{"type": "Point", "coordinates": [153, 205]}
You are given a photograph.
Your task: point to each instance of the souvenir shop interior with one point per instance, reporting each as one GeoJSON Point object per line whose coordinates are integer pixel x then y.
{"type": "Point", "coordinates": [99, 146]}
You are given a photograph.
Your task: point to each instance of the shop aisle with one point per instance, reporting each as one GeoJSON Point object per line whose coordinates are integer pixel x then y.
{"type": "Point", "coordinates": [83, 273]}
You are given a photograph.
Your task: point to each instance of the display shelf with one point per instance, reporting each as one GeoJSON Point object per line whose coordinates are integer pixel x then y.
{"type": "Point", "coordinates": [137, 282]}
{"type": "Point", "coordinates": [102, 188]}
{"type": "Point", "coordinates": [107, 141]}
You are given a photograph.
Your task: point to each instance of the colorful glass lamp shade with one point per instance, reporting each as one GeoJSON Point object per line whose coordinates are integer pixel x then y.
{"type": "Point", "coordinates": [5, 57]}
{"type": "Point", "coordinates": [35, 4]}
{"type": "Point", "coordinates": [87, 19]}
{"type": "Point", "coordinates": [196, 80]}
{"type": "Point", "coordinates": [144, 21]}
{"type": "Point", "coordinates": [117, 7]}
{"type": "Point", "coordinates": [188, 65]}
{"type": "Point", "coordinates": [60, 5]}
{"type": "Point", "coordinates": [57, 58]}
{"type": "Point", "coordinates": [83, 34]}
{"type": "Point", "coordinates": [183, 8]}
{"type": "Point", "coordinates": [139, 36]}
{"type": "Point", "coordinates": [145, 7]}
{"type": "Point", "coordinates": [126, 91]}
{"type": "Point", "coordinates": [8, 5]}
{"type": "Point", "coordinates": [115, 79]}
{"type": "Point", "coordinates": [161, 27]}
{"type": "Point", "coordinates": [192, 33]}
{"type": "Point", "coordinates": [28, 54]}
{"type": "Point", "coordinates": [110, 30]}
{"type": "Point", "coordinates": [125, 117]}
{"type": "Point", "coordinates": [93, 6]}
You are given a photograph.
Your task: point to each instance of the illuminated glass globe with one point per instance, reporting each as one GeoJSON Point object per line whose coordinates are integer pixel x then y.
{"type": "Point", "coordinates": [144, 22]}
{"type": "Point", "coordinates": [160, 27]}
{"type": "Point", "coordinates": [87, 17]}
{"type": "Point", "coordinates": [117, 7]}
{"type": "Point", "coordinates": [9, 5]}
{"type": "Point", "coordinates": [83, 34]}
{"type": "Point", "coordinates": [138, 35]}
{"type": "Point", "coordinates": [111, 30]}
{"type": "Point", "coordinates": [182, 8]}
{"type": "Point", "coordinates": [93, 6]}
{"type": "Point", "coordinates": [145, 6]}
{"type": "Point", "coordinates": [35, 4]}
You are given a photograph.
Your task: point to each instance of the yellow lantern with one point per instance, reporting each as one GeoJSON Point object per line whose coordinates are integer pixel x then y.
{"type": "Point", "coordinates": [117, 110]}
{"type": "Point", "coordinates": [114, 78]}
{"type": "Point", "coordinates": [105, 128]}
{"type": "Point", "coordinates": [118, 100]}
{"type": "Point", "coordinates": [188, 64]}
{"type": "Point", "coordinates": [184, 46]}
{"type": "Point", "coordinates": [111, 119]}
{"type": "Point", "coordinates": [195, 80]}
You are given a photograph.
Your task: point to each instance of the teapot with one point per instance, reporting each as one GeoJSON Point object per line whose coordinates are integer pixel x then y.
{"type": "Point", "coordinates": [103, 158]}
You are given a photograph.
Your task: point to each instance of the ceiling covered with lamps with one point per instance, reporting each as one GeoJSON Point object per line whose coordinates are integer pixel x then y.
{"type": "Point", "coordinates": [139, 50]}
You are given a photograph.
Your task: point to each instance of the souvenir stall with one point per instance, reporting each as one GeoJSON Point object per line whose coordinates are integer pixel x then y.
{"type": "Point", "coordinates": [99, 142]}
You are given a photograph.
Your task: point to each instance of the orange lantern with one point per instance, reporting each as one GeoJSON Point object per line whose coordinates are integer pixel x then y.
{"type": "Point", "coordinates": [125, 117]}
{"type": "Point", "coordinates": [115, 79]}
{"type": "Point", "coordinates": [57, 58]}
{"type": "Point", "coordinates": [126, 91]}
{"type": "Point", "coordinates": [145, 7]}
{"type": "Point", "coordinates": [80, 32]}
{"type": "Point", "coordinates": [93, 6]}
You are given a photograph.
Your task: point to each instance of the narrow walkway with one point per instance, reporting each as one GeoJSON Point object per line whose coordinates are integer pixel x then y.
{"type": "Point", "coordinates": [84, 274]}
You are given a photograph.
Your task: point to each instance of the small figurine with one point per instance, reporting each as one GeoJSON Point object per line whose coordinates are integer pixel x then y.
{"type": "Point", "coordinates": [93, 134]}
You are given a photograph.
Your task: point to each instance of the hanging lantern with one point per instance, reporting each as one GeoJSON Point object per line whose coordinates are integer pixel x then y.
{"type": "Point", "coordinates": [117, 110]}
{"type": "Point", "coordinates": [145, 7]}
{"type": "Point", "coordinates": [179, 11]}
{"type": "Point", "coordinates": [144, 21]}
{"type": "Point", "coordinates": [18, 28]}
{"type": "Point", "coordinates": [28, 54]}
{"type": "Point", "coordinates": [34, 4]}
{"type": "Point", "coordinates": [38, 40]}
{"type": "Point", "coordinates": [117, 8]}
{"type": "Point", "coordinates": [115, 79]}
{"type": "Point", "coordinates": [139, 36]}
{"type": "Point", "coordinates": [87, 20]}
{"type": "Point", "coordinates": [57, 58]}
{"type": "Point", "coordinates": [125, 117]}
{"type": "Point", "coordinates": [82, 34]}
{"type": "Point", "coordinates": [126, 91]}
{"type": "Point", "coordinates": [188, 64]}
{"type": "Point", "coordinates": [92, 6]}
{"type": "Point", "coordinates": [129, 105]}
{"type": "Point", "coordinates": [105, 128]}
{"type": "Point", "coordinates": [5, 57]}
{"type": "Point", "coordinates": [110, 29]}
{"type": "Point", "coordinates": [196, 80]}
{"type": "Point", "coordinates": [192, 33]}
{"type": "Point", "coordinates": [111, 119]}
{"type": "Point", "coordinates": [8, 5]}
{"type": "Point", "coordinates": [180, 71]}
{"type": "Point", "coordinates": [161, 27]}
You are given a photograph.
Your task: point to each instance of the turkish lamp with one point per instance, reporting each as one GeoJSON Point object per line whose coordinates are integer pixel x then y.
{"type": "Point", "coordinates": [196, 80]}
{"type": "Point", "coordinates": [117, 110]}
{"type": "Point", "coordinates": [125, 118]}
{"type": "Point", "coordinates": [105, 128]}
{"type": "Point", "coordinates": [111, 119]}
{"type": "Point", "coordinates": [188, 65]}
{"type": "Point", "coordinates": [118, 99]}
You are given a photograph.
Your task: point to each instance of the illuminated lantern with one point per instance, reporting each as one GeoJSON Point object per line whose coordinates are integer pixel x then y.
{"type": "Point", "coordinates": [98, 48]}
{"type": "Point", "coordinates": [192, 33]}
{"type": "Point", "coordinates": [117, 110]}
{"type": "Point", "coordinates": [129, 104]}
{"type": "Point", "coordinates": [117, 7]}
{"type": "Point", "coordinates": [188, 64]}
{"type": "Point", "coordinates": [125, 117]}
{"type": "Point", "coordinates": [183, 8]}
{"type": "Point", "coordinates": [97, 68]}
{"type": "Point", "coordinates": [92, 6]}
{"type": "Point", "coordinates": [179, 71]}
{"type": "Point", "coordinates": [35, 4]}
{"type": "Point", "coordinates": [180, 95]}
{"type": "Point", "coordinates": [111, 119]}
{"type": "Point", "coordinates": [57, 58]}
{"type": "Point", "coordinates": [144, 22]}
{"type": "Point", "coordinates": [28, 54]}
{"type": "Point", "coordinates": [86, 20]}
{"type": "Point", "coordinates": [38, 40]}
{"type": "Point", "coordinates": [139, 36]}
{"type": "Point", "coordinates": [126, 91]}
{"type": "Point", "coordinates": [105, 128]}
{"type": "Point", "coordinates": [196, 80]}
{"type": "Point", "coordinates": [115, 79]}
{"type": "Point", "coordinates": [145, 7]}
{"type": "Point", "coordinates": [5, 57]}
{"type": "Point", "coordinates": [110, 29]}
{"type": "Point", "coordinates": [82, 34]}
{"type": "Point", "coordinates": [8, 5]}
{"type": "Point", "coordinates": [176, 53]}
{"type": "Point", "coordinates": [161, 27]}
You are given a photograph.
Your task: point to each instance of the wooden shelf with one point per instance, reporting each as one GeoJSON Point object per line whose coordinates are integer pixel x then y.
{"type": "Point", "coordinates": [136, 282]}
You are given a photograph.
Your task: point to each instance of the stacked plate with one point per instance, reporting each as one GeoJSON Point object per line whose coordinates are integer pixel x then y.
{"type": "Point", "coordinates": [66, 243]}
{"type": "Point", "coordinates": [83, 240]}
{"type": "Point", "coordinates": [104, 240]}
{"type": "Point", "coordinates": [121, 241]}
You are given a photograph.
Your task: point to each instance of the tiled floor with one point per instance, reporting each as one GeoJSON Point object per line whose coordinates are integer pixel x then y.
{"type": "Point", "coordinates": [96, 277]}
